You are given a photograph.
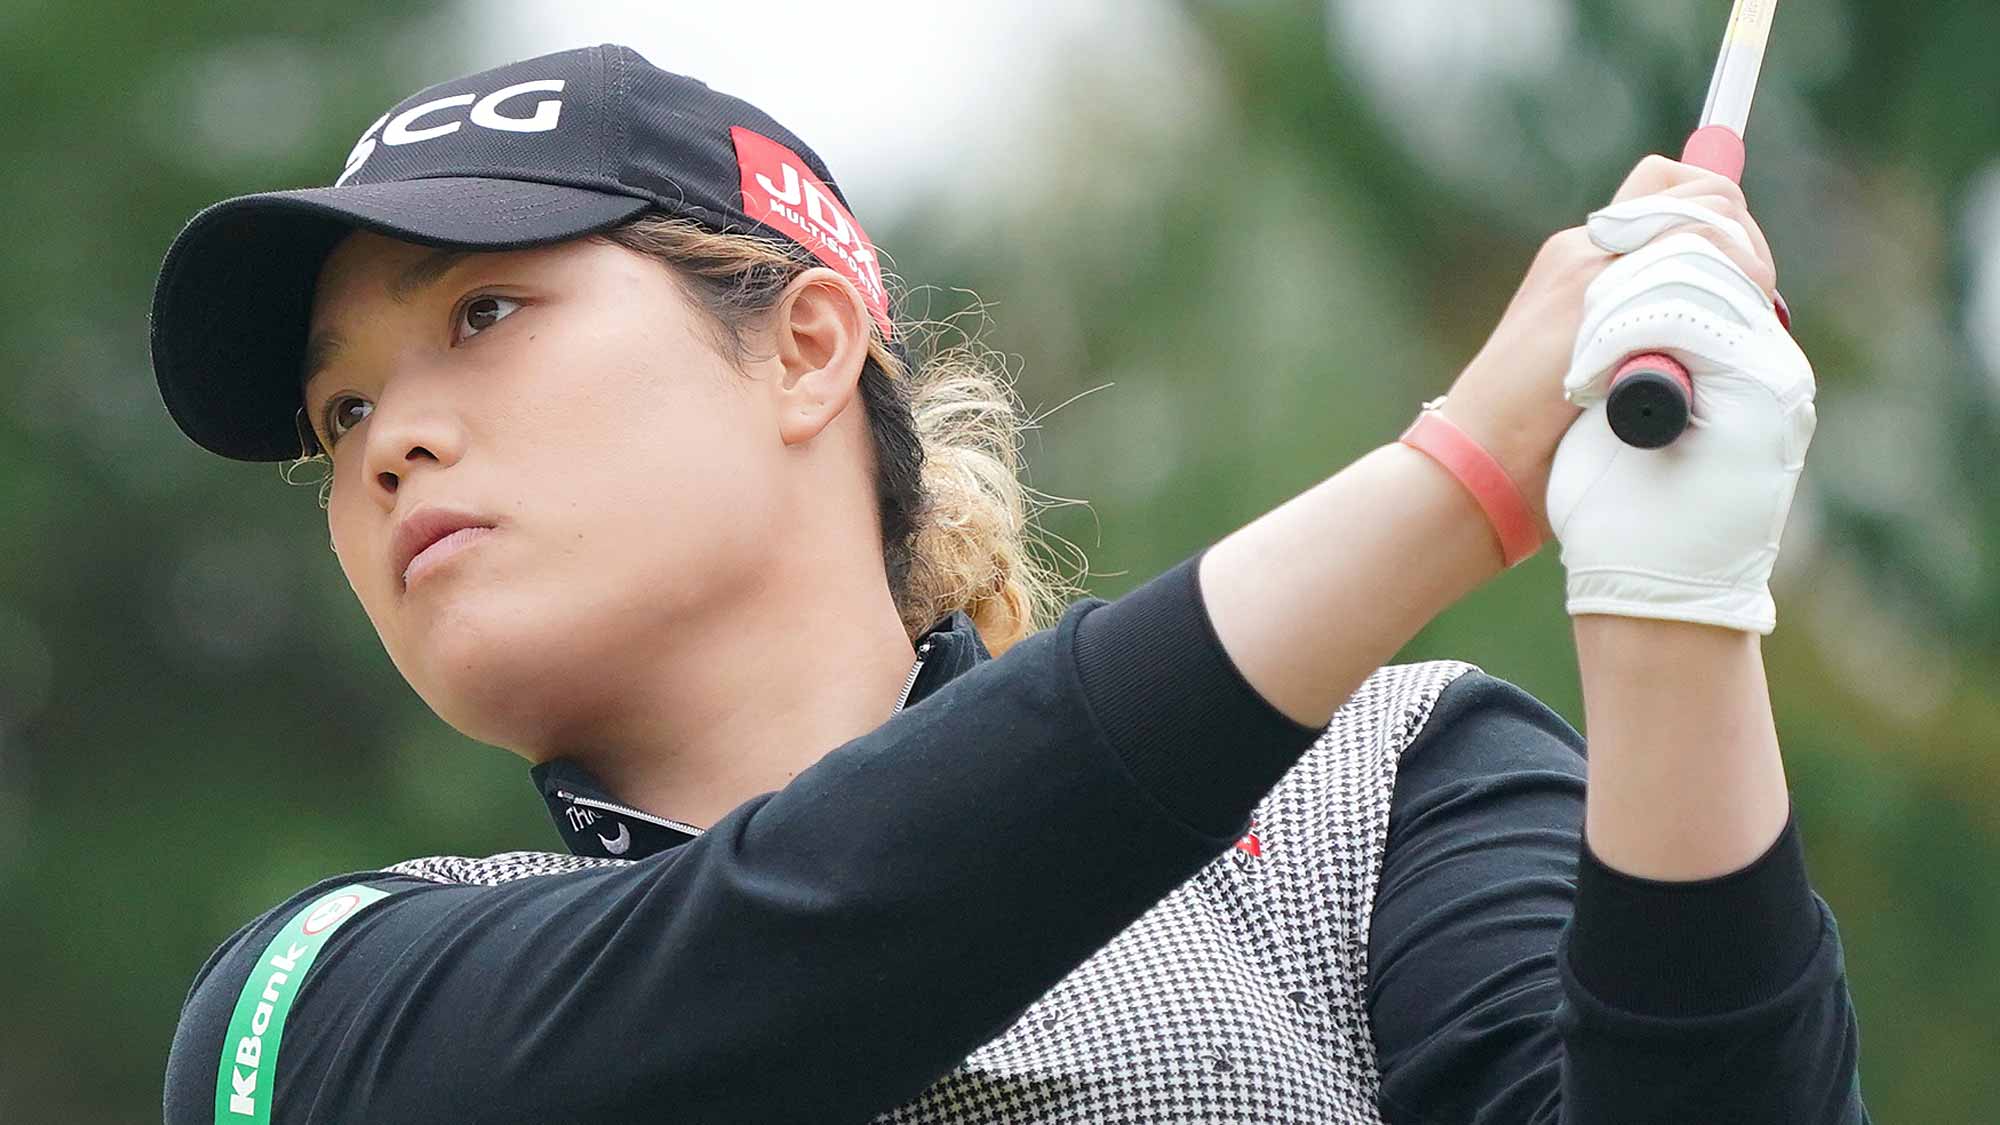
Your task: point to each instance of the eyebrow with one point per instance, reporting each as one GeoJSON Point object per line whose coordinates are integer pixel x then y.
{"type": "Point", "coordinates": [417, 276]}
{"type": "Point", "coordinates": [424, 272]}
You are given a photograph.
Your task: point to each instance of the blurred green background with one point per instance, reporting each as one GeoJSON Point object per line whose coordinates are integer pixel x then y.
{"type": "Point", "coordinates": [1274, 228]}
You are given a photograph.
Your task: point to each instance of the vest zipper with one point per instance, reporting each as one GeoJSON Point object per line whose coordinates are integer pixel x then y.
{"type": "Point", "coordinates": [922, 650]}
{"type": "Point", "coordinates": [608, 806]}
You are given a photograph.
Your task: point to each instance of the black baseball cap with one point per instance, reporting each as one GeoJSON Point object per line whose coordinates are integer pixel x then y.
{"type": "Point", "coordinates": [531, 153]}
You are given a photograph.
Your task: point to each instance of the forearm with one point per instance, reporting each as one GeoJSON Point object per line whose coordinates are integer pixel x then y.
{"type": "Point", "coordinates": [1686, 781]}
{"type": "Point", "coordinates": [1311, 597]}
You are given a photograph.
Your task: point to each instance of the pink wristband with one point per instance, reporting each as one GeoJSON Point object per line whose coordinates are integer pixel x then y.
{"type": "Point", "coordinates": [1482, 476]}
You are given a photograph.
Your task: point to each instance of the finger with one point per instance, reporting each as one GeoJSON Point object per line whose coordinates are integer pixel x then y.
{"type": "Point", "coordinates": [1703, 254]}
{"type": "Point", "coordinates": [1711, 189]}
{"type": "Point", "coordinates": [1763, 251]}
{"type": "Point", "coordinates": [1709, 183]}
{"type": "Point", "coordinates": [1754, 258]}
{"type": "Point", "coordinates": [1624, 227]}
{"type": "Point", "coordinates": [1650, 176]}
{"type": "Point", "coordinates": [1656, 174]}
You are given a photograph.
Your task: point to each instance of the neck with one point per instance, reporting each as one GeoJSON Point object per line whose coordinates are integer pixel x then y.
{"type": "Point", "coordinates": [740, 707]}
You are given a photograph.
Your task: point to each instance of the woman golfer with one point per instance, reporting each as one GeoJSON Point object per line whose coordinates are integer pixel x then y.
{"type": "Point", "coordinates": [635, 475]}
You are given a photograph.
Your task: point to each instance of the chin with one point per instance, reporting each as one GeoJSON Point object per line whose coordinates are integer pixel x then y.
{"type": "Point", "coordinates": [504, 670]}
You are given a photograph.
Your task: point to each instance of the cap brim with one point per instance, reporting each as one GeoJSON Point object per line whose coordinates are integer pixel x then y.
{"type": "Point", "coordinates": [235, 291]}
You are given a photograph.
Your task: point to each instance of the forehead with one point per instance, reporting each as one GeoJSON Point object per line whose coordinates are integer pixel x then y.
{"type": "Point", "coordinates": [365, 260]}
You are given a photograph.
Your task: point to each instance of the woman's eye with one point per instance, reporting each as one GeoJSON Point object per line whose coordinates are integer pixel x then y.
{"type": "Point", "coordinates": [343, 413]}
{"type": "Point", "coordinates": [481, 313]}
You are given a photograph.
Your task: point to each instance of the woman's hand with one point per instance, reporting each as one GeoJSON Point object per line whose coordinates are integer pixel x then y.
{"type": "Point", "coordinates": [1510, 397]}
{"type": "Point", "coordinates": [1689, 532]}
{"type": "Point", "coordinates": [1306, 608]}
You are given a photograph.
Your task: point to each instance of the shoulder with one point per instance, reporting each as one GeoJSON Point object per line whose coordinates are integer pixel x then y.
{"type": "Point", "coordinates": [1393, 711]}
{"type": "Point", "coordinates": [220, 984]}
{"type": "Point", "coordinates": [1397, 704]}
{"type": "Point", "coordinates": [383, 913]}
{"type": "Point", "coordinates": [1490, 759]}
{"type": "Point", "coordinates": [1483, 718]}
{"type": "Point", "coordinates": [232, 959]}
{"type": "Point", "coordinates": [1432, 731]}
{"type": "Point", "coordinates": [1436, 732]}
{"type": "Point", "coordinates": [249, 940]}
{"type": "Point", "coordinates": [504, 867]}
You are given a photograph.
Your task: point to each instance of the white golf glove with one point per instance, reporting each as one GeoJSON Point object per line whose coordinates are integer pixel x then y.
{"type": "Point", "coordinates": [1688, 532]}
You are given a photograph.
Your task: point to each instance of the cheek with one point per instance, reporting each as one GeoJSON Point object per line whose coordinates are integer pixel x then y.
{"type": "Point", "coordinates": [662, 458]}
{"type": "Point", "coordinates": [678, 505]}
{"type": "Point", "coordinates": [639, 517]}
{"type": "Point", "coordinates": [363, 556]}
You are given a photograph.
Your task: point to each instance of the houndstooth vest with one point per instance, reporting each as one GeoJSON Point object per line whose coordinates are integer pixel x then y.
{"type": "Point", "coordinates": [1239, 999]}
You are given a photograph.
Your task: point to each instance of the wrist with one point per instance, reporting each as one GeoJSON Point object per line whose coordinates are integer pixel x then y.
{"type": "Point", "coordinates": [1639, 643]}
{"type": "Point", "coordinates": [1517, 529]}
{"type": "Point", "coordinates": [1524, 443]}
{"type": "Point", "coordinates": [1686, 781]}
{"type": "Point", "coordinates": [1454, 527]}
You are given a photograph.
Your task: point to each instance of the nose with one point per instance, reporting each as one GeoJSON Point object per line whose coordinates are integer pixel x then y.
{"type": "Point", "coordinates": [407, 438]}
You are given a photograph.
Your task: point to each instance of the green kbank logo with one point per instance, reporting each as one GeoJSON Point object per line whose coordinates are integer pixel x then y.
{"type": "Point", "coordinates": [246, 1078]}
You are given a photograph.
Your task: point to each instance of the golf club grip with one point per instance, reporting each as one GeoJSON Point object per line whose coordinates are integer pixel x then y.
{"type": "Point", "coordinates": [1652, 395]}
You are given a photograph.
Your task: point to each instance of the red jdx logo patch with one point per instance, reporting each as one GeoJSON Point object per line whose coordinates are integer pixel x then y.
{"type": "Point", "coordinates": [781, 191]}
{"type": "Point", "coordinates": [1248, 843]}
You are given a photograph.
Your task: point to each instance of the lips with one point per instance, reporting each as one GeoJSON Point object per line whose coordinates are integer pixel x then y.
{"type": "Point", "coordinates": [423, 527]}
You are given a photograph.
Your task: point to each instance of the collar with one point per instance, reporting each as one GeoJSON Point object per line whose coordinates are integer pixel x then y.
{"type": "Point", "coordinates": [594, 822]}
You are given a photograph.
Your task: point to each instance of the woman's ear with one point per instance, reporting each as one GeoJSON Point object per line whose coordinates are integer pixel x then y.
{"type": "Point", "coordinates": [820, 331]}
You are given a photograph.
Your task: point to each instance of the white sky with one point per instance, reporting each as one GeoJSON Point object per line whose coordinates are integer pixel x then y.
{"type": "Point", "coordinates": [893, 94]}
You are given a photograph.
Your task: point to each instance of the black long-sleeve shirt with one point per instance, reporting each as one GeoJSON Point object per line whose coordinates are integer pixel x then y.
{"type": "Point", "coordinates": [824, 952]}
